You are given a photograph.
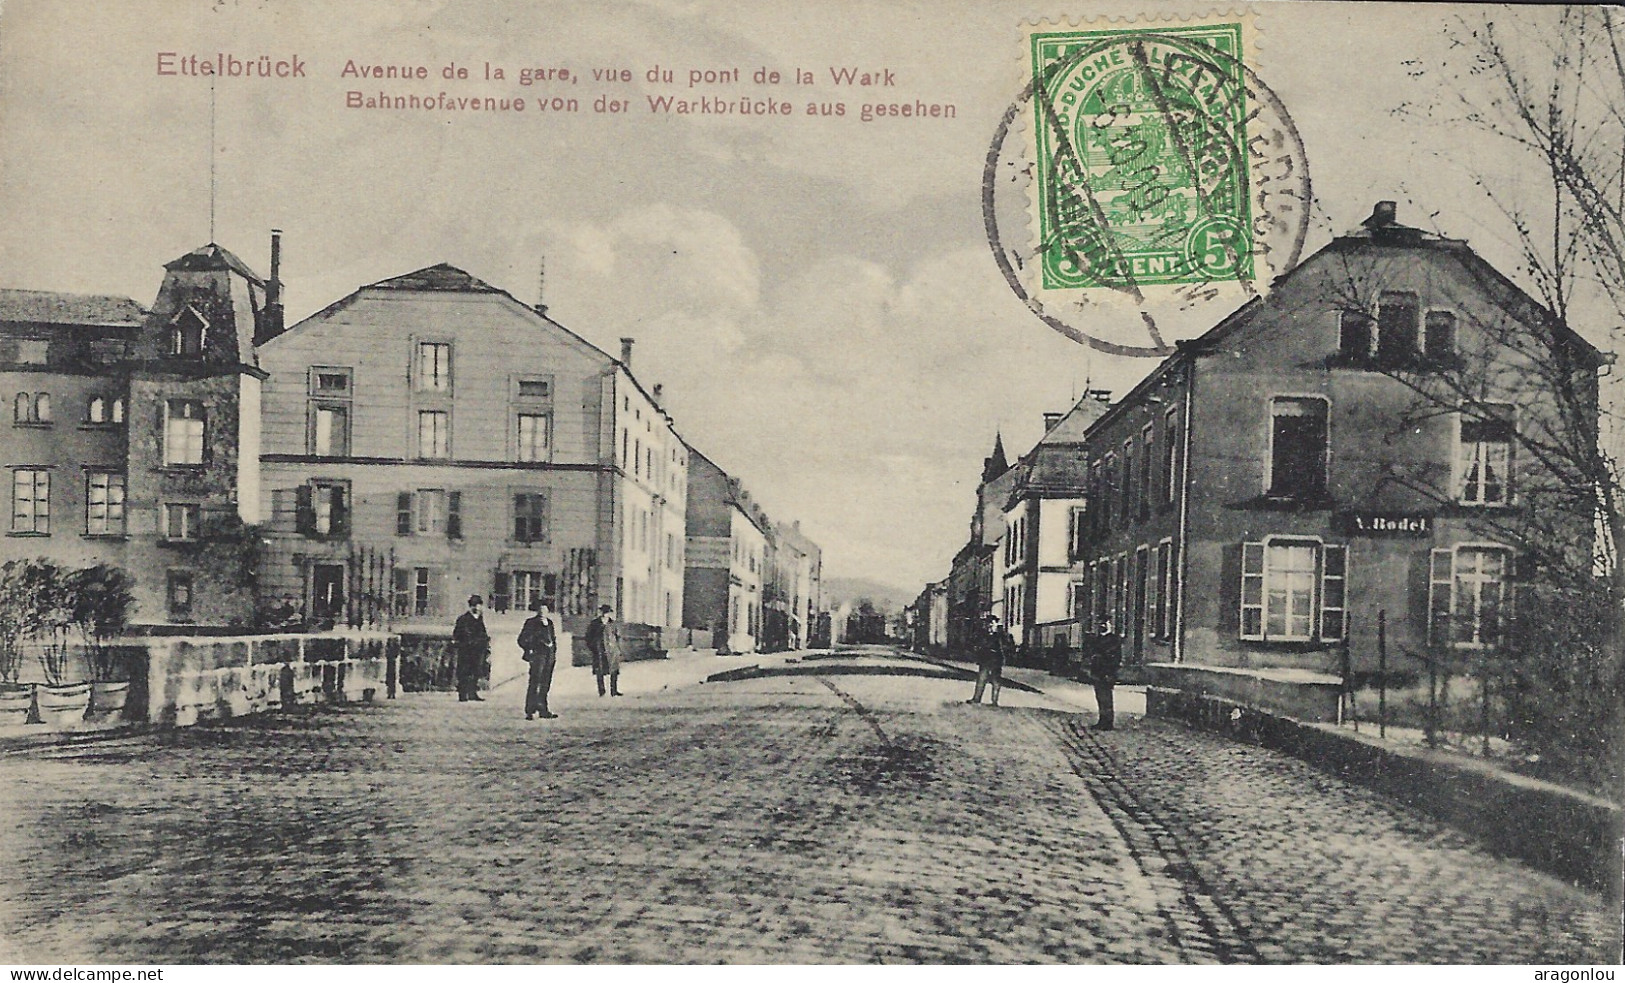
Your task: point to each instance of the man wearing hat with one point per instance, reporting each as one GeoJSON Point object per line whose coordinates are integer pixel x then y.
{"type": "Point", "coordinates": [604, 642]}
{"type": "Point", "coordinates": [995, 647]}
{"type": "Point", "coordinates": [472, 646]}
{"type": "Point", "coordinates": [539, 641]}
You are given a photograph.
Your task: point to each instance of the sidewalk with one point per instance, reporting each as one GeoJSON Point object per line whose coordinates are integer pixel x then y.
{"type": "Point", "coordinates": [1129, 700]}
{"type": "Point", "coordinates": [575, 686]}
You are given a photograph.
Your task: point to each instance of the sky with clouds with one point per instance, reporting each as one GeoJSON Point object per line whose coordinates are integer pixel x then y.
{"type": "Point", "coordinates": [817, 296]}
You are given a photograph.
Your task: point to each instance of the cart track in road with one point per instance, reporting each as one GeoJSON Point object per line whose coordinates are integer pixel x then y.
{"type": "Point", "coordinates": [1202, 926]}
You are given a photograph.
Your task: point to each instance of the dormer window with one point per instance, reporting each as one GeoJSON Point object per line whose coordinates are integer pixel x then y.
{"type": "Point", "coordinates": [187, 334]}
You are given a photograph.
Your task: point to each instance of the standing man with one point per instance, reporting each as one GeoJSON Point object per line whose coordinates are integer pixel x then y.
{"type": "Point", "coordinates": [539, 641]}
{"type": "Point", "coordinates": [604, 642]}
{"type": "Point", "coordinates": [1104, 665]}
{"type": "Point", "coordinates": [995, 645]}
{"type": "Point", "coordinates": [472, 645]}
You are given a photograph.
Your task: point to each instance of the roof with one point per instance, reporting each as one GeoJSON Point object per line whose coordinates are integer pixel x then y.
{"type": "Point", "coordinates": [440, 276]}
{"type": "Point", "coordinates": [49, 307]}
{"type": "Point", "coordinates": [1053, 470]}
{"type": "Point", "coordinates": [213, 257]}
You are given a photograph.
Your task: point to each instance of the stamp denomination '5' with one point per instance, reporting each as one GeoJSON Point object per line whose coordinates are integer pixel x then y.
{"type": "Point", "coordinates": [1142, 154]}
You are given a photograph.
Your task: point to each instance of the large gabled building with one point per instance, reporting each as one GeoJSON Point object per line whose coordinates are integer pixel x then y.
{"type": "Point", "coordinates": [1299, 474]}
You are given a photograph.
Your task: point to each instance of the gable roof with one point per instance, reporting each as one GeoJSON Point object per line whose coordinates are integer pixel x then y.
{"type": "Point", "coordinates": [50, 307]}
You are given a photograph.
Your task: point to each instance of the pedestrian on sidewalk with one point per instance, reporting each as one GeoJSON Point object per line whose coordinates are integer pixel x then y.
{"type": "Point", "coordinates": [604, 642]}
{"type": "Point", "coordinates": [1105, 662]}
{"type": "Point", "coordinates": [472, 645]}
{"type": "Point", "coordinates": [539, 642]}
{"type": "Point", "coordinates": [995, 646]}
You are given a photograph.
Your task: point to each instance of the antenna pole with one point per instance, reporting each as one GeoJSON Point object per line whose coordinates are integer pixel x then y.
{"type": "Point", "coordinates": [211, 160]}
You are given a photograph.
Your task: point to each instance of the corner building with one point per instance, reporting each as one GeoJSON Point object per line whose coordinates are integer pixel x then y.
{"type": "Point", "coordinates": [1282, 480]}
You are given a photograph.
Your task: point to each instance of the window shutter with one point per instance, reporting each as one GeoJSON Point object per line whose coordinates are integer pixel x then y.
{"type": "Point", "coordinates": [1252, 590]}
{"type": "Point", "coordinates": [403, 514]}
{"type": "Point", "coordinates": [1333, 592]}
{"type": "Point", "coordinates": [1440, 582]}
{"type": "Point", "coordinates": [521, 524]}
{"type": "Point", "coordinates": [499, 591]}
{"type": "Point", "coordinates": [208, 451]}
{"type": "Point", "coordinates": [454, 515]}
{"type": "Point", "coordinates": [541, 518]}
{"type": "Point", "coordinates": [306, 511]}
{"type": "Point", "coordinates": [341, 511]}
{"type": "Point", "coordinates": [437, 591]}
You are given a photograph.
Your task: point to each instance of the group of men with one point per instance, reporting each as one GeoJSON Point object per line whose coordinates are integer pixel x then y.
{"type": "Point", "coordinates": [539, 643]}
{"type": "Point", "coordinates": [1102, 650]}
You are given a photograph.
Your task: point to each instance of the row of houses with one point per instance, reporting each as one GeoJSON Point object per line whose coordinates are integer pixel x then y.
{"type": "Point", "coordinates": [425, 438]}
{"type": "Point", "coordinates": [1337, 460]}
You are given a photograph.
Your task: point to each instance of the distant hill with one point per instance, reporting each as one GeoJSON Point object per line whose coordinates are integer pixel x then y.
{"type": "Point", "coordinates": [839, 590]}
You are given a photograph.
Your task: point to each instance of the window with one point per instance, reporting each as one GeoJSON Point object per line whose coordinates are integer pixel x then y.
{"type": "Point", "coordinates": [118, 409]}
{"type": "Point", "coordinates": [1170, 454]}
{"type": "Point", "coordinates": [1164, 623]}
{"type": "Point", "coordinates": [183, 432]}
{"type": "Point", "coordinates": [186, 334]}
{"type": "Point", "coordinates": [535, 389]}
{"type": "Point", "coordinates": [1151, 591]}
{"type": "Point", "coordinates": [533, 436]}
{"type": "Point", "coordinates": [1466, 591]}
{"type": "Point", "coordinates": [434, 433]}
{"type": "Point", "coordinates": [530, 517]}
{"type": "Point", "coordinates": [104, 504]}
{"type": "Point", "coordinates": [431, 511]}
{"type": "Point", "coordinates": [1127, 487]}
{"type": "Point", "coordinates": [1484, 457]}
{"type": "Point", "coordinates": [181, 521]}
{"type": "Point", "coordinates": [432, 373]}
{"type": "Point", "coordinates": [1439, 343]}
{"type": "Point", "coordinates": [422, 591]}
{"type": "Point", "coordinates": [96, 410]}
{"type": "Point", "coordinates": [1397, 328]}
{"type": "Point", "coordinates": [1297, 447]}
{"type": "Point", "coordinates": [324, 509]}
{"type": "Point", "coordinates": [530, 586]}
{"type": "Point", "coordinates": [1148, 446]}
{"type": "Point", "coordinates": [32, 408]}
{"type": "Point", "coordinates": [330, 381]}
{"type": "Point", "coordinates": [1354, 335]}
{"type": "Point", "coordinates": [418, 591]}
{"type": "Point", "coordinates": [1293, 590]}
{"type": "Point", "coordinates": [330, 430]}
{"type": "Point", "coordinates": [178, 594]}
{"type": "Point", "coordinates": [1077, 532]}
{"type": "Point", "coordinates": [31, 501]}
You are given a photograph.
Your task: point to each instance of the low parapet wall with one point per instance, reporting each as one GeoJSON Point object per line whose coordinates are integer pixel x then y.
{"type": "Point", "coordinates": [192, 678]}
{"type": "Point", "coordinates": [1570, 834]}
{"type": "Point", "coordinates": [1297, 693]}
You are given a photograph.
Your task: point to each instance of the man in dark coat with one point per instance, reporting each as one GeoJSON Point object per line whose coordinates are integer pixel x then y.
{"type": "Point", "coordinates": [472, 645]}
{"type": "Point", "coordinates": [1105, 662]}
{"type": "Point", "coordinates": [539, 641]}
{"type": "Point", "coordinates": [995, 647]}
{"type": "Point", "coordinates": [604, 642]}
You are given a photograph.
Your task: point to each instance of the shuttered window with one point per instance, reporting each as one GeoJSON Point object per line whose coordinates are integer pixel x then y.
{"type": "Point", "coordinates": [1293, 591]}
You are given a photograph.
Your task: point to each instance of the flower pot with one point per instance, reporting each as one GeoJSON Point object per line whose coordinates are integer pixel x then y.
{"type": "Point", "coordinates": [109, 697]}
{"type": "Point", "coordinates": [63, 706]}
{"type": "Point", "coordinates": [15, 702]}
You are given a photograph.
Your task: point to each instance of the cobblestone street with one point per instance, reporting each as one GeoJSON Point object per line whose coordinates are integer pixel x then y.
{"type": "Point", "coordinates": [826, 810]}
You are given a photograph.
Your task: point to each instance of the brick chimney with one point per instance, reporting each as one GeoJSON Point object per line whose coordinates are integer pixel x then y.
{"type": "Point", "coordinates": [1051, 419]}
{"type": "Point", "coordinates": [1100, 395]}
{"type": "Point", "coordinates": [273, 317]}
{"type": "Point", "coordinates": [1384, 213]}
{"type": "Point", "coordinates": [659, 388]}
{"type": "Point", "coordinates": [626, 352]}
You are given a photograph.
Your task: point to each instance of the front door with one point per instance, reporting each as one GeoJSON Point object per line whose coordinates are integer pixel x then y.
{"type": "Point", "coordinates": [327, 592]}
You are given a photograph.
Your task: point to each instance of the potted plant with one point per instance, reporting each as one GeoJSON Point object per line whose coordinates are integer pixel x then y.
{"type": "Point", "coordinates": [18, 620]}
{"type": "Point", "coordinates": [102, 599]}
{"type": "Point", "coordinates": [61, 700]}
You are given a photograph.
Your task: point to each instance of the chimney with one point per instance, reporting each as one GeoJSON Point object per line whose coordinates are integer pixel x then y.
{"type": "Point", "coordinates": [658, 389]}
{"type": "Point", "coordinates": [1051, 419]}
{"type": "Point", "coordinates": [626, 353]}
{"type": "Point", "coordinates": [273, 289]}
{"type": "Point", "coordinates": [1100, 395]}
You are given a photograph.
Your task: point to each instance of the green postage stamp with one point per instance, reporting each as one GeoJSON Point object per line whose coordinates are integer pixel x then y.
{"type": "Point", "coordinates": [1143, 172]}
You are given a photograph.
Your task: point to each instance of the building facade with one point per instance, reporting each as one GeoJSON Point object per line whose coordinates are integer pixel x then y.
{"type": "Point", "coordinates": [727, 555]}
{"type": "Point", "coordinates": [429, 437]}
{"type": "Point", "coordinates": [1300, 475]}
